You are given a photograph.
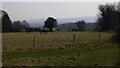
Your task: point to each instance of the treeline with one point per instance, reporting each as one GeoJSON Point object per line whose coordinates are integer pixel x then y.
{"type": "Point", "coordinates": [18, 26]}
{"type": "Point", "coordinates": [15, 26]}
{"type": "Point", "coordinates": [109, 18]}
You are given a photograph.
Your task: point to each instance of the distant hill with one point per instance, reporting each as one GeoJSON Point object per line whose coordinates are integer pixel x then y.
{"type": "Point", "coordinates": [90, 26]}
{"type": "Point", "coordinates": [67, 26]}
{"type": "Point", "coordinates": [70, 26]}
{"type": "Point", "coordinates": [40, 22]}
{"type": "Point", "coordinates": [70, 20]}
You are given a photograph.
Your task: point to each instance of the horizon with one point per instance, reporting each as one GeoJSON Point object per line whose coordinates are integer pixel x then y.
{"type": "Point", "coordinates": [40, 22]}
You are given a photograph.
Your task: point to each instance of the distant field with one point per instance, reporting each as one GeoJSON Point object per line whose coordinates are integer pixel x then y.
{"type": "Point", "coordinates": [59, 49]}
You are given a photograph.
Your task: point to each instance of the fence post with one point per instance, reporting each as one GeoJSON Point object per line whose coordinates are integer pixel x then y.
{"type": "Point", "coordinates": [74, 38]}
{"type": "Point", "coordinates": [33, 41]}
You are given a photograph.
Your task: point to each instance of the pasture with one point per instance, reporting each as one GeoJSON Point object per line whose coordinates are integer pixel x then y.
{"type": "Point", "coordinates": [59, 49]}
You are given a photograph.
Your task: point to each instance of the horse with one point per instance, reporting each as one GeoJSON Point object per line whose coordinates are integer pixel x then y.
{"type": "Point", "coordinates": [43, 31]}
{"type": "Point", "coordinates": [29, 30]}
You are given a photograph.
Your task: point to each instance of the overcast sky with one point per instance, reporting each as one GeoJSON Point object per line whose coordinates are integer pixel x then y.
{"type": "Point", "coordinates": [38, 10]}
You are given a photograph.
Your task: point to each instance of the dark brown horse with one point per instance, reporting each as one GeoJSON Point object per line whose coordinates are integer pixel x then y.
{"type": "Point", "coordinates": [43, 31]}
{"type": "Point", "coordinates": [29, 30]}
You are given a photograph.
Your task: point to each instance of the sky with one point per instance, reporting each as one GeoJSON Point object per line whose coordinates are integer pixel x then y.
{"type": "Point", "coordinates": [39, 10]}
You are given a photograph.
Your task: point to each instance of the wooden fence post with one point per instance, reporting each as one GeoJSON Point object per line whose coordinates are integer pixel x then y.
{"type": "Point", "coordinates": [74, 38]}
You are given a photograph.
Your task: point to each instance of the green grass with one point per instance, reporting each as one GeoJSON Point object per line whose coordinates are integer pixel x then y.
{"type": "Point", "coordinates": [58, 49]}
{"type": "Point", "coordinates": [10, 55]}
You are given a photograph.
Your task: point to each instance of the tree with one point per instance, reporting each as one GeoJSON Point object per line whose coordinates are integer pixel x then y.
{"type": "Point", "coordinates": [0, 20]}
{"type": "Point", "coordinates": [117, 30]}
{"type": "Point", "coordinates": [17, 26]}
{"type": "Point", "coordinates": [106, 13]}
{"type": "Point", "coordinates": [109, 18]}
{"type": "Point", "coordinates": [80, 25]}
{"type": "Point", "coordinates": [25, 24]}
{"type": "Point", "coordinates": [20, 26]}
{"type": "Point", "coordinates": [6, 22]}
{"type": "Point", "coordinates": [50, 23]}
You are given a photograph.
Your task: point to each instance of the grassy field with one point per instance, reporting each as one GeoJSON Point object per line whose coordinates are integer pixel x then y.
{"type": "Point", "coordinates": [59, 49]}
